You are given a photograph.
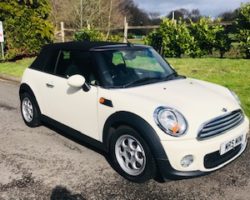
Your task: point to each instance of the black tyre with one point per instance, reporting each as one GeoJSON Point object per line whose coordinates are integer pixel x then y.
{"type": "Point", "coordinates": [30, 111]}
{"type": "Point", "coordinates": [131, 156]}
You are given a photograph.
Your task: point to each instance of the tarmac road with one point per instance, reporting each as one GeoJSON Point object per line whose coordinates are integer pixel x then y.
{"type": "Point", "coordinates": [43, 164]}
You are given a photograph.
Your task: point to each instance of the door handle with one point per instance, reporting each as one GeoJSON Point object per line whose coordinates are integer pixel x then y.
{"type": "Point", "coordinates": [49, 85]}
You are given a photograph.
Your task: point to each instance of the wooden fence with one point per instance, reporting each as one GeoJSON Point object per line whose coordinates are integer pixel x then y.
{"type": "Point", "coordinates": [125, 28]}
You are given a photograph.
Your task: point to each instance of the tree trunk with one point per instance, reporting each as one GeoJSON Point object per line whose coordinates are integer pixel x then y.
{"type": "Point", "coordinates": [109, 19]}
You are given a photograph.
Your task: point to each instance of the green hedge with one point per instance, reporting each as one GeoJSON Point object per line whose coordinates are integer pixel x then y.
{"type": "Point", "coordinates": [26, 26]}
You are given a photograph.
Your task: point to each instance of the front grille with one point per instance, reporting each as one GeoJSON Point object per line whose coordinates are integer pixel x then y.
{"type": "Point", "coordinates": [221, 124]}
{"type": "Point", "coordinates": [214, 159]}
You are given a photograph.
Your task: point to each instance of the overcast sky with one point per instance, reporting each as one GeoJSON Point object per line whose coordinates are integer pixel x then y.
{"type": "Point", "coordinates": [207, 7]}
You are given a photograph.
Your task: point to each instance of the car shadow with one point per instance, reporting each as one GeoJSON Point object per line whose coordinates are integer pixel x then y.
{"type": "Point", "coordinates": [62, 193]}
{"type": "Point", "coordinates": [79, 139]}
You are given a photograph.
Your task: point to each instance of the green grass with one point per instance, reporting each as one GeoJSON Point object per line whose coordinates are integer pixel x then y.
{"type": "Point", "coordinates": [232, 73]}
{"type": "Point", "coordinates": [15, 68]}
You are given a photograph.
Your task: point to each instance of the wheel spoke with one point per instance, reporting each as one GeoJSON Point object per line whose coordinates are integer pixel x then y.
{"type": "Point", "coordinates": [130, 143]}
{"type": "Point", "coordinates": [124, 145]}
{"type": "Point", "coordinates": [122, 153]}
{"type": "Point", "coordinates": [139, 160]}
{"type": "Point", "coordinates": [135, 165]}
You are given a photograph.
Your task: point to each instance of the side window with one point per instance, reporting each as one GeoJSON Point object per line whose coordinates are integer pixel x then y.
{"type": "Point", "coordinates": [76, 62]}
{"type": "Point", "coordinates": [65, 66]}
{"type": "Point", "coordinates": [45, 61]}
{"type": "Point", "coordinates": [117, 58]}
{"type": "Point", "coordinates": [50, 62]}
{"type": "Point", "coordinates": [38, 63]}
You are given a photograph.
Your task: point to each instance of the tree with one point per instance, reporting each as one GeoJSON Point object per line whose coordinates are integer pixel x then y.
{"type": "Point", "coordinates": [222, 41]}
{"type": "Point", "coordinates": [179, 14]}
{"type": "Point", "coordinates": [94, 12]}
{"type": "Point", "coordinates": [185, 15]}
{"type": "Point", "coordinates": [195, 15]}
{"type": "Point", "coordinates": [204, 34]}
{"type": "Point", "coordinates": [171, 39]}
{"type": "Point", "coordinates": [79, 14]}
{"type": "Point", "coordinates": [243, 28]}
{"type": "Point", "coordinates": [136, 16]}
{"type": "Point", "coordinates": [26, 26]}
{"type": "Point", "coordinates": [228, 16]}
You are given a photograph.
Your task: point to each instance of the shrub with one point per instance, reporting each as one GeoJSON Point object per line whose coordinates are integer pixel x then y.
{"type": "Point", "coordinates": [26, 26]}
{"type": "Point", "coordinates": [204, 34]}
{"type": "Point", "coordinates": [94, 35]}
{"type": "Point", "coordinates": [89, 35]}
{"type": "Point", "coordinates": [173, 38]}
{"type": "Point", "coordinates": [222, 42]}
{"type": "Point", "coordinates": [195, 40]}
{"type": "Point", "coordinates": [243, 29]}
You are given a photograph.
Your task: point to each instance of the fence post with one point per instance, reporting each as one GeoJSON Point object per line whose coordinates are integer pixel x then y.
{"type": "Point", "coordinates": [88, 25]}
{"type": "Point", "coordinates": [125, 38]}
{"type": "Point", "coordinates": [2, 50]}
{"type": "Point", "coordinates": [62, 32]}
{"type": "Point", "coordinates": [2, 39]}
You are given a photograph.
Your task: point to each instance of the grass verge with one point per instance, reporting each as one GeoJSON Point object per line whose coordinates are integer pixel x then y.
{"type": "Point", "coordinates": [15, 69]}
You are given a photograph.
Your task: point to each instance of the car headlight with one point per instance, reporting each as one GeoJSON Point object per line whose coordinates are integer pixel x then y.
{"type": "Point", "coordinates": [235, 96]}
{"type": "Point", "coordinates": [170, 121]}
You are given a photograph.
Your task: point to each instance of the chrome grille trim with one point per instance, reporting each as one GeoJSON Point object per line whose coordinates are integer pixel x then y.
{"type": "Point", "coordinates": [221, 124]}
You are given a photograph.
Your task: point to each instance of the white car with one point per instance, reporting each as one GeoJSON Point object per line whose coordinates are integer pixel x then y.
{"type": "Point", "coordinates": [128, 101]}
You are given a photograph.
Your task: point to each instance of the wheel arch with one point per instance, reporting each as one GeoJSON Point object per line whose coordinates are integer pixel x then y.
{"type": "Point", "coordinates": [26, 88]}
{"type": "Point", "coordinates": [140, 125]}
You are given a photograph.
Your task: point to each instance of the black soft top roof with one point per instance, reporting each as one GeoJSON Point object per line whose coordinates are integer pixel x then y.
{"type": "Point", "coordinates": [86, 45]}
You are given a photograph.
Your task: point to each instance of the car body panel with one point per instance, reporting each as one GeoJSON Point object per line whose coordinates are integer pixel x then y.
{"type": "Point", "coordinates": [70, 106]}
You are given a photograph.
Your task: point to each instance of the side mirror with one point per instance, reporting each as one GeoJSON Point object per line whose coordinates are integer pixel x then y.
{"type": "Point", "coordinates": [76, 81]}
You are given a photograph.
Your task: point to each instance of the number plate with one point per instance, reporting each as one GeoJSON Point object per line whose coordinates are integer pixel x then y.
{"type": "Point", "coordinates": [229, 145]}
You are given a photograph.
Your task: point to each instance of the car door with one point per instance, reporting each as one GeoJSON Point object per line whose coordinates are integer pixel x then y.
{"type": "Point", "coordinates": [70, 106]}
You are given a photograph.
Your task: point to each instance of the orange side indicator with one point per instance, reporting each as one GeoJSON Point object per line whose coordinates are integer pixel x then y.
{"type": "Point", "coordinates": [101, 100]}
{"type": "Point", "coordinates": [106, 102]}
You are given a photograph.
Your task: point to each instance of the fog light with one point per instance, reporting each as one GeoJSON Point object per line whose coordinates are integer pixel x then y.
{"type": "Point", "coordinates": [186, 161]}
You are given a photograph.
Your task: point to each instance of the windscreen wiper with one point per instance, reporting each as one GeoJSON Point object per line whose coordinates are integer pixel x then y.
{"type": "Point", "coordinates": [170, 76]}
{"type": "Point", "coordinates": [152, 79]}
{"type": "Point", "coordinates": [142, 80]}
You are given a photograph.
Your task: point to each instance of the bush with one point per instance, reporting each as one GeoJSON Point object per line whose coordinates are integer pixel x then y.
{"type": "Point", "coordinates": [94, 35]}
{"type": "Point", "coordinates": [171, 38]}
{"type": "Point", "coordinates": [243, 29]}
{"type": "Point", "coordinates": [196, 40]}
{"type": "Point", "coordinates": [222, 42]}
{"type": "Point", "coordinates": [26, 26]}
{"type": "Point", "coordinates": [114, 38]}
{"type": "Point", "coordinates": [204, 34]}
{"type": "Point", "coordinates": [89, 35]}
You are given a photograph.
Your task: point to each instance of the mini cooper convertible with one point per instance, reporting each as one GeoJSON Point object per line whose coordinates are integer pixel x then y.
{"type": "Point", "coordinates": [129, 102]}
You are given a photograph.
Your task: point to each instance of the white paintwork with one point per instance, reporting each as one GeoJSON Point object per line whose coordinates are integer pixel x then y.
{"type": "Point", "coordinates": [76, 81]}
{"type": "Point", "coordinates": [198, 101]}
{"type": "Point", "coordinates": [68, 105]}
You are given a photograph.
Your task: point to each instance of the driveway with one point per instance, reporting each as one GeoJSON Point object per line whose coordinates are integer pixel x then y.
{"type": "Point", "coordinates": [41, 163]}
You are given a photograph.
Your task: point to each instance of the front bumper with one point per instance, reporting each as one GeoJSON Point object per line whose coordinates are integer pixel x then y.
{"type": "Point", "coordinates": [206, 154]}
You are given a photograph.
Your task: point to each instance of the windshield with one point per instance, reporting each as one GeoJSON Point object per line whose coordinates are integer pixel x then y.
{"type": "Point", "coordinates": [132, 67]}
